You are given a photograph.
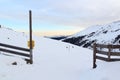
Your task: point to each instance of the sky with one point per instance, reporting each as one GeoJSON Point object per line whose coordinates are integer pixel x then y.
{"type": "Point", "coordinates": [58, 17]}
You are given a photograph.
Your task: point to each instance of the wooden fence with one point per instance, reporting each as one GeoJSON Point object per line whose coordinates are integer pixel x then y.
{"type": "Point", "coordinates": [17, 51]}
{"type": "Point", "coordinates": [105, 50]}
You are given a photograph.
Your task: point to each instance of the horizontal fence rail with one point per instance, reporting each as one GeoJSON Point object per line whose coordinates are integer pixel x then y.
{"type": "Point", "coordinates": [14, 47]}
{"type": "Point", "coordinates": [97, 49]}
{"type": "Point", "coordinates": [12, 50]}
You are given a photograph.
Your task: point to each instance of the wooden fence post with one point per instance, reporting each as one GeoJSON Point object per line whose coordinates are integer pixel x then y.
{"type": "Point", "coordinates": [109, 51]}
{"type": "Point", "coordinates": [30, 25]}
{"type": "Point", "coordinates": [94, 55]}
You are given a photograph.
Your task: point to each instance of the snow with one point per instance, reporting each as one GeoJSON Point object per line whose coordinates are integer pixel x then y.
{"type": "Point", "coordinates": [104, 34]}
{"type": "Point", "coordinates": [53, 60]}
{"type": "Point", "coordinates": [111, 27]}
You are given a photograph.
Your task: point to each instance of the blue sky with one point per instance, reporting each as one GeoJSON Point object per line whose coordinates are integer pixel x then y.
{"type": "Point", "coordinates": [58, 16]}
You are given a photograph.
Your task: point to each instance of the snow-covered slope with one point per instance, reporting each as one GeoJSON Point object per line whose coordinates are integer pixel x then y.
{"type": "Point", "coordinates": [54, 60]}
{"type": "Point", "coordinates": [9, 36]}
{"type": "Point", "coordinates": [104, 34]}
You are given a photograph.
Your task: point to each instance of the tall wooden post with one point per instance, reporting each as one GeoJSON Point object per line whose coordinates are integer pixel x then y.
{"type": "Point", "coordinates": [109, 51]}
{"type": "Point", "coordinates": [94, 55]}
{"type": "Point", "coordinates": [30, 27]}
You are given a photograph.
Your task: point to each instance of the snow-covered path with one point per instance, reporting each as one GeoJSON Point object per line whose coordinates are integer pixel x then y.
{"type": "Point", "coordinates": [53, 60]}
{"type": "Point", "coordinates": [62, 61]}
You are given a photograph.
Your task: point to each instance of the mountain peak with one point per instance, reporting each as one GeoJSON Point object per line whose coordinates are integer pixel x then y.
{"type": "Point", "coordinates": [103, 34]}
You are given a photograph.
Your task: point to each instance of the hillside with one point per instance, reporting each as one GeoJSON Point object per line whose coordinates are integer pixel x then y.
{"type": "Point", "coordinates": [53, 60]}
{"type": "Point", "coordinates": [12, 37]}
{"type": "Point", "coordinates": [104, 34]}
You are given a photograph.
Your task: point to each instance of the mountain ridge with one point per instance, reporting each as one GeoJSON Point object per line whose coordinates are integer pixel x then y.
{"type": "Point", "coordinates": [103, 34]}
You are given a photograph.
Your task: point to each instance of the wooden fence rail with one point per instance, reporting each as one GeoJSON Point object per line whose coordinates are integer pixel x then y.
{"type": "Point", "coordinates": [12, 50]}
{"type": "Point", "coordinates": [97, 49]}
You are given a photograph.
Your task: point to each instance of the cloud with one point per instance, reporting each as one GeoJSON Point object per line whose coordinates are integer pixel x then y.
{"type": "Point", "coordinates": [79, 13]}
{"type": "Point", "coordinates": [85, 12]}
{"type": "Point", "coordinates": [55, 33]}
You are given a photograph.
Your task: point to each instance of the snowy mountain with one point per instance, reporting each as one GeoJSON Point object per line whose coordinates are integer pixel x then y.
{"type": "Point", "coordinates": [53, 60]}
{"type": "Point", "coordinates": [104, 34]}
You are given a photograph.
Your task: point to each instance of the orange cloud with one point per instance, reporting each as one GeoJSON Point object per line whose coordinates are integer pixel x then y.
{"type": "Point", "coordinates": [56, 33]}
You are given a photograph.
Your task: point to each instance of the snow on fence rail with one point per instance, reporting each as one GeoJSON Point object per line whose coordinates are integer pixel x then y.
{"type": "Point", "coordinates": [12, 50]}
{"type": "Point", "coordinates": [107, 50]}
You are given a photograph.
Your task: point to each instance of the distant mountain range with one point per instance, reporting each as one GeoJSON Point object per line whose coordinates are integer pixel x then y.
{"type": "Point", "coordinates": [57, 37]}
{"type": "Point", "coordinates": [104, 34]}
